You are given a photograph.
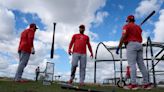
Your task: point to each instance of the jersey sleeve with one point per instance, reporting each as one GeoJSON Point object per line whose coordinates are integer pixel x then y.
{"type": "Point", "coordinates": [30, 38]}
{"type": "Point", "coordinates": [89, 46]}
{"type": "Point", "coordinates": [71, 43]}
{"type": "Point", "coordinates": [124, 30]}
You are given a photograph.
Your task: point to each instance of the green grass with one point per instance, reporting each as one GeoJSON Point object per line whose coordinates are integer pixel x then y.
{"type": "Point", "coordinates": [9, 86]}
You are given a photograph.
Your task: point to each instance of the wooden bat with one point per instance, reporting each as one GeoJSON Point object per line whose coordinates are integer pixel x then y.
{"type": "Point", "coordinates": [151, 14]}
{"type": "Point", "coordinates": [76, 88]}
{"type": "Point", "coordinates": [53, 39]}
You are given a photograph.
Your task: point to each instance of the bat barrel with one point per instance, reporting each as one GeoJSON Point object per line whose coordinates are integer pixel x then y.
{"type": "Point", "coordinates": [52, 47]}
{"type": "Point", "coordinates": [152, 13]}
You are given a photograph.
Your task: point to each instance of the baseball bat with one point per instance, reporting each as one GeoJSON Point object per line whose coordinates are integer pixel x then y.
{"type": "Point", "coordinates": [53, 39]}
{"type": "Point", "coordinates": [151, 14]}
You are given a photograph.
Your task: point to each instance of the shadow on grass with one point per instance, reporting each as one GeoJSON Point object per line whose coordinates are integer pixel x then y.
{"type": "Point", "coordinates": [10, 86]}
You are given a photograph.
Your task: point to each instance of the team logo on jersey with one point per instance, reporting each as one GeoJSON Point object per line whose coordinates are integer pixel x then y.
{"type": "Point", "coordinates": [81, 37]}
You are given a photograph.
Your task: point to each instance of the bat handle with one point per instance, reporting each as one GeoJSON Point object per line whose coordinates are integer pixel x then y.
{"type": "Point", "coordinates": [54, 25]}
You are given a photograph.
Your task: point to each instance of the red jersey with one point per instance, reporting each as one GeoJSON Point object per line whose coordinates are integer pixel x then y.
{"type": "Point", "coordinates": [79, 43]}
{"type": "Point", "coordinates": [133, 33]}
{"type": "Point", "coordinates": [26, 40]}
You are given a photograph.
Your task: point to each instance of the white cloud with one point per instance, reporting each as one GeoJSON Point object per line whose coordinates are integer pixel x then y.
{"type": "Point", "coordinates": [147, 6]}
{"type": "Point", "coordinates": [63, 11]}
{"type": "Point", "coordinates": [25, 20]}
{"type": "Point", "coordinates": [68, 15]}
{"type": "Point", "coordinates": [7, 23]}
{"type": "Point", "coordinates": [158, 31]}
{"type": "Point", "coordinates": [145, 35]}
{"type": "Point", "coordinates": [3, 63]}
{"type": "Point", "coordinates": [11, 70]}
{"type": "Point", "coordinates": [121, 7]}
{"type": "Point", "coordinates": [100, 16]}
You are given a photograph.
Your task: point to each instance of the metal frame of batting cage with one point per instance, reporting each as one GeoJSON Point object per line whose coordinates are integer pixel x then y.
{"type": "Point", "coordinates": [49, 73]}
{"type": "Point", "coordinates": [149, 44]}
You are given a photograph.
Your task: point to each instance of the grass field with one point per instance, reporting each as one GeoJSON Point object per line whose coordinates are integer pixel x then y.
{"type": "Point", "coordinates": [10, 86]}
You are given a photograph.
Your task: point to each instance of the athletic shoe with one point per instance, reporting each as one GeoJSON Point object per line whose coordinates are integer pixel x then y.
{"type": "Point", "coordinates": [148, 86]}
{"type": "Point", "coordinates": [21, 81]}
{"type": "Point", "coordinates": [131, 86]}
{"type": "Point", "coordinates": [81, 84]}
{"type": "Point", "coordinates": [70, 81]}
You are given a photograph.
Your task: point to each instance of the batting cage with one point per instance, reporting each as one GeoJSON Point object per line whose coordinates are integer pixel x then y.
{"type": "Point", "coordinates": [47, 75]}
{"type": "Point", "coordinates": [111, 68]}
{"type": "Point", "coordinates": [49, 71]}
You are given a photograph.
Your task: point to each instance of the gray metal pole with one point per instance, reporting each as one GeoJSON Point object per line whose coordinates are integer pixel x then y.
{"type": "Point", "coordinates": [95, 73]}
{"type": "Point", "coordinates": [153, 67]}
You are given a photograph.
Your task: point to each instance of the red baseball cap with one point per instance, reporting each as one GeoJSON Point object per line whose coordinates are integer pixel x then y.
{"type": "Point", "coordinates": [130, 17]}
{"type": "Point", "coordinates": [82, 26]}
{"type": "Point", "coordinates": [33, 25]}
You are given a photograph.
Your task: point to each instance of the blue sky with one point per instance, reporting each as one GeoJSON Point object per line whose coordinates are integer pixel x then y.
{"type": "Point", "coordinates": [103, 18]}
{"type": "Point", "coordinates": [116, 19]}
